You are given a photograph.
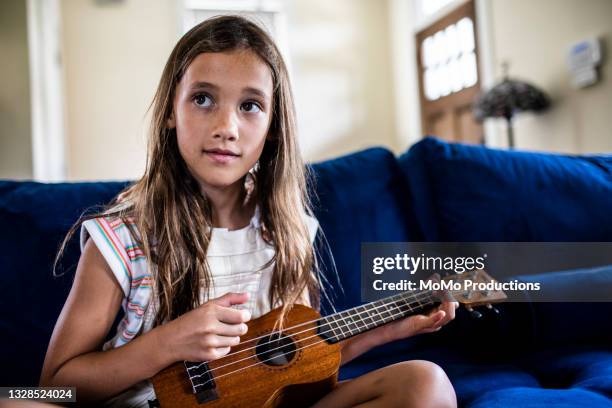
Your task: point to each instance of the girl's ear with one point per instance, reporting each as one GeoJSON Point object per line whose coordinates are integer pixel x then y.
{"type": "Point", "coordinates": [171, 123]}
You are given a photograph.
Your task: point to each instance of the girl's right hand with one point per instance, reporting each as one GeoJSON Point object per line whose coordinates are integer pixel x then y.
{"type": "Point", "coordinates": [208, 332]}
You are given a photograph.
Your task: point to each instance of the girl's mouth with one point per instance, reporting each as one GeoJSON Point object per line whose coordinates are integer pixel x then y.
{"type": "Point", "coordinates": [221, 155]}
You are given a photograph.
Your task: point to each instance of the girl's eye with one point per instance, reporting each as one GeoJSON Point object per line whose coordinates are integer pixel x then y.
{"type": "Point", "coordinates": [251, 107]}
{"type": "Point", "coordinates": [202, 100]}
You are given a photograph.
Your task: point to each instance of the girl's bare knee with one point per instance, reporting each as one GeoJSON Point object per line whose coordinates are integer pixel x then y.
{"type": "Point", "coordinates": [418, 383]}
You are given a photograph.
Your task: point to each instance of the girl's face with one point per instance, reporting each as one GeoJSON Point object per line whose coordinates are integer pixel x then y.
{"type": "Point", "coordinates": [222, 113]}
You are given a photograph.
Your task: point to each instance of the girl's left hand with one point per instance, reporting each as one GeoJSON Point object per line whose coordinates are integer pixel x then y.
{"type": "Point", "coordinates": [417, 324]}
{"type": "Point", "coordinates": [399, 329]}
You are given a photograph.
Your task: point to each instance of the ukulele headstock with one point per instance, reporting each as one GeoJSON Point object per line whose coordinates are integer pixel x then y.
{"type": "Point", "coordinates": [470, 289]}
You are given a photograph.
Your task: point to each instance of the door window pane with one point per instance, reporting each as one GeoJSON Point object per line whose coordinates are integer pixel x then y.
{"type": "Point", "coordinates": [449, 60]}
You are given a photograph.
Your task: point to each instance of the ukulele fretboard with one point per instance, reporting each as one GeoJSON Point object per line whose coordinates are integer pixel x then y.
{"type": "Point", "coordinates": [351, 322]}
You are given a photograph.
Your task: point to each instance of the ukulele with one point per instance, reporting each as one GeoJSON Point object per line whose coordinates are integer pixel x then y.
{"type": "Point", "coordinates": [296, 366]}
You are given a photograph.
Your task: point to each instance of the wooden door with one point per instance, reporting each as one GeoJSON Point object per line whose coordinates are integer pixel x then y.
{"type": "Point", "coordinates": [449, 77]}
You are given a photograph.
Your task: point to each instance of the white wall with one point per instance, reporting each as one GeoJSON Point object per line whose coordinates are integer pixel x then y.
{"type": "Point", "coordinates": [535, 36]}
{"type": "Point", "coordinates": [342, 78]}
{"type": "Point", "coordinates": [115, 53]}
{"type": "Point", "coordinates": [402, 27]}
{"type": "Point", "coordinates": [15, 140]}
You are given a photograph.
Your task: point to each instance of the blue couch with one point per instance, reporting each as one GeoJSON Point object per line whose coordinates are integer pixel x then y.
{"type": "Point", "coordinates": [531, 354]}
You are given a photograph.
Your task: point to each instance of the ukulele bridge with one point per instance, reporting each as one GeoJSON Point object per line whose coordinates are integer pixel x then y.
{"type": "Point", "coordinates": [202, 381]}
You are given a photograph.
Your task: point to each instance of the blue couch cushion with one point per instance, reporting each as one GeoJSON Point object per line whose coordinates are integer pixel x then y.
{"type": "Point", "coordinates": [526, 397]}
{"type": "Point", "coordinates": [467, 193]}
{"type": "Point", "coordinates": [34, 218]}
{"type": "Point", "coordinates": [362, 197]}
{"type": "Point", "coordinates": [575, 373]}
{"type": "Point", "coordinates": [571, 319]}
{"type": "Point", "coordinates": [572, 367]}
{"type": "Point", "coordinates": [470, 374]}
{"type": "Point", "coordinates": [569, 376]}
{"type": "Point", "coordinates": [472, 381]}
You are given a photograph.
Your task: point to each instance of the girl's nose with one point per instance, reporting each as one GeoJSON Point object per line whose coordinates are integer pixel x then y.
{"type": "Point", "coordinates": [226, 126]}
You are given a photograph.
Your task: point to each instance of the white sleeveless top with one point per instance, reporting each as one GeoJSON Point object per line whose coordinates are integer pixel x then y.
{"type": "Point", "coordinates": [235, 259]}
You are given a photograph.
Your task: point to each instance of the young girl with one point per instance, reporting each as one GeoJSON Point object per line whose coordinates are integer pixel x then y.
{"type": "Point", "coordinates": [217, 231]}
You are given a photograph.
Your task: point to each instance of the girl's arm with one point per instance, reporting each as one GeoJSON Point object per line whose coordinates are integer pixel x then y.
{"type": "Point", "coordinates": [400, 329]}
{"type": "Point", "coordinates": [74, 357]}
{"type": "Point", "coordinates": [83, 324]}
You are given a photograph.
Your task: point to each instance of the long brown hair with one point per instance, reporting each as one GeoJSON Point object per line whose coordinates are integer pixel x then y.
{"type": "Point", "coordinates": [172, 216]}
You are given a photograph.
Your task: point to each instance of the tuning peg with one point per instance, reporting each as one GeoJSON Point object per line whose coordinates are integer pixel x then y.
{"type": "Point", "coordinates": [474, 313]}
{"type": "Point", "coordinates": [468, 294]}
{"type": "Point", "coordinates": [493, 309]}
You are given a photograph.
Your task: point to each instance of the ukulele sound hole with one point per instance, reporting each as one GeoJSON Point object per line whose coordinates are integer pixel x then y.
{"type": "Point", "coordinates": [275, 350]}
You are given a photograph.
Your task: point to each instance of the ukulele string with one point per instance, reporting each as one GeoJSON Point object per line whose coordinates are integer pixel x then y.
{"type": "Point", "coordinates": [411, 297]}
{"type": "Point", "coordinates": [263, 361]}
{"type": "Point", "coordinates": [308, 329]}
{"type": "Point", "coordinates": [429, 301]}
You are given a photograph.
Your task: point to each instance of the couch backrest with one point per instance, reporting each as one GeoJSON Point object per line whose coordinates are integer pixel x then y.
{"type": "Point", "coordinates": [363, 197]}
{"type": "Point", "coordinates": [34, 218]}
{"type": "Point", "coordinates": [435, 192]}
{"type": "Point", "coordinates": [465, 193]}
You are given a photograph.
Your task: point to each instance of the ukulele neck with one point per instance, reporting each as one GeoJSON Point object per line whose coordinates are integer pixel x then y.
{"type": "Point", "coordinates": [343, 325]}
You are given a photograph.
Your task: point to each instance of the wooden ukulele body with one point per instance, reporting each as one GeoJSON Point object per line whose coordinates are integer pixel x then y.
{"type": "Point", "coordinates": [244, 379]}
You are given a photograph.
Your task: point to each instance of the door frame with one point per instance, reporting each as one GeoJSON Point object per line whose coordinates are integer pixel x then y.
{"type": "Point", "coordinates": [47, 100]}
